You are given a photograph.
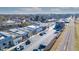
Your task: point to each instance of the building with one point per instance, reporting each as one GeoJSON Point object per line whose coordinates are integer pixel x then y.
{"type": "Point", "coordinates": [24, 34]}
{"type": "Point", "coordinates": [30, 30]}
{"type": "Point", "coordinates": [25, 29]}
{"type": "Point", "coordinates": [16, 38]}
{"type": "Point", "coordinates": [35, 28]}
{"type": "Point", "coordinates": [5, 41]}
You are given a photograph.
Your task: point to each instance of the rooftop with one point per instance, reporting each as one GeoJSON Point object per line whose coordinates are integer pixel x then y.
{"type": "Point", "coordinates": [13, 30]}
{"type": "Point", "coordinates": [14, 35]}
{"type": "Point", "coordinates": [33, 26]}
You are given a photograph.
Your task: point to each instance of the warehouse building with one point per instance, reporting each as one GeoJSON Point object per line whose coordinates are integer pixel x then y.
{"type": "Point", "coordinates": [16, 38]}
{"type": "Point", "coordinates": [5, 41]}
{"type": "Point", "coordinates": [25, 29]}
{"type": "Point", "coordinates": [35, 28]}
{"type": "Point", "coordinates": [24, 34]}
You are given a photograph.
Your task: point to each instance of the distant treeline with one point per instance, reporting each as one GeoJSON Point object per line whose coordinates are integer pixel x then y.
{"type": "Point", "coordinates": [34, 17]}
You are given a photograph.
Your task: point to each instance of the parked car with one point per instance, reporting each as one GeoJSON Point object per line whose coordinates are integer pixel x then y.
{"type": "Point", "coordinates": [41, 34]}
{"type": "Point", "coordinates": [21, 47]}
{"type": "Point", "coordinates": [17, 48]}
{"type": "Point", "coordinates": [57, 34]}
{"type": "Point", "coordinates": [41, 46]}
{"type": "Point", "coordinates": [35, 50]}
{"type": "Point", "coordinates": [28, 42]}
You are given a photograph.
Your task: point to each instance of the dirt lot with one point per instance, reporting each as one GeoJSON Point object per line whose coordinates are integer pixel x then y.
{"type": "Point", "coordinates": [76, 47]}
{"type": "Point", "coordinates": [58, 42]}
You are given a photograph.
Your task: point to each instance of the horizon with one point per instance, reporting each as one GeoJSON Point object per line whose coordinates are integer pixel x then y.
{"type": "Point", "coordinates": [39, 10]}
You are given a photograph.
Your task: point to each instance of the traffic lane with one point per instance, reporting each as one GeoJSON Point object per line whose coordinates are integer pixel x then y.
{"type": "Point", "coordinates": [33, 40]}
{"type": "Point", "coordinates": [40, 39]}
{"type": "Point", "coordinates": [36, 44]}
{"type": "Point", "coordinates": [23, 43]}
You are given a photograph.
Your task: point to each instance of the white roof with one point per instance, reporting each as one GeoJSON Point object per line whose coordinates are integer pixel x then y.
{"type": "Point", "coordinates": [5, 33]}
{"type": "Point", "coordinates": [13, 34]}
{"type": "Point", "coordinates": [33, 26]}
{"type": "Point", "coordinates": [51, 19]}
{"type": "Point", "coordinates": [20, 32]}
{"type": "Point", "coordinates": [13, 30]}
{"type": "Point", "coordinates": [47, 40]}
{"type": "Point", "coordinates": [1, 37]}
{"type": "Point", "coordinates": [10, 21]}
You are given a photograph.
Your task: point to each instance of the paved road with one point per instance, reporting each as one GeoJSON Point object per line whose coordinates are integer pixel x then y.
{"type": "Point", "coordinates": [36, 41]}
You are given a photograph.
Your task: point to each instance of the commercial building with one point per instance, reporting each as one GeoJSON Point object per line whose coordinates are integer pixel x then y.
{"type": "Point", "coordinates": [16, 38]}
{"type": "Point", "coordinates": [5, 40]}
{"type": "Point", "coordinates": [23, 34]}
{"type": "Point", "coordinates": [35, 28]}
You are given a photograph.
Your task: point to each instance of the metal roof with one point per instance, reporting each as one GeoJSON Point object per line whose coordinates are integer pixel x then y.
{"type": "Point", "coordinates": [4, 33]}
{"type": "Point", "coordinates": [5, 36]}
{"type": "Point", "coordinates": [33, 26]}
{"type": "Point", "coordinates": [21, 32]}
{"type": "Point", "coordinates": [14, 35]}
{"type": "Point", "coordinates": [13, 30]}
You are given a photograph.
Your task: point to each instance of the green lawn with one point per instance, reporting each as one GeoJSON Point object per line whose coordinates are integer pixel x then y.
{"type": "Point", "coordinates": [26, 24]}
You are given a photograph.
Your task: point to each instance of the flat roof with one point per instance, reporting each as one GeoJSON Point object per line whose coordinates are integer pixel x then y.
{"type": "Point", "coordinates": [29, 28]}
{"type": "Point", "coordinates": [2, 37]}
{"type": "Point", "coordinates": [14, 35]}
{"type": "Point", "coordinates": [24, 29]}
{"type": "Point", "coordinates": [13, 30]}
{"type": "Point", "coordinates": [21, 32]}
{"type": "Point", "coordinates": [33, 26]}
{"type": "Point", "coordinates": [4, 33]}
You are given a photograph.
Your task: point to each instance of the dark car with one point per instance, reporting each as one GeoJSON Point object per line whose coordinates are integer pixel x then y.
{"type": "Point", "coordinates": [41, 46]}
{"type": "Point", "coordinates": [16, 49]}
{"type": "Point", "coordinates": [35, 50]}
{"type": "Point", "coordinates": [21, 47]}
{"type": "Point", "coordinates": [41, 34]}
{"type": "Point", "coordinates": [28, 42]}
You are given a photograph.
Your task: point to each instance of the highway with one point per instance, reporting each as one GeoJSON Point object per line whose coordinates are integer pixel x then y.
{"type": "Point", "coordinates": [66, 43]}
{"type": "Point", "coordinates": [36, 40]}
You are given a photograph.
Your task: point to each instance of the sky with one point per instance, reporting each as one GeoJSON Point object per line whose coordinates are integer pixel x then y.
{"type": "Point", "coordinates": [39, 10]}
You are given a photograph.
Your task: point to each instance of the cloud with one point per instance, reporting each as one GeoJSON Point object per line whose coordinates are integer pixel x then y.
{"type": "Point", "coordinates": [65, 10]}
{"type": "Point", "coordinates": [28, 10]}
{"type": "Point", "coordinates": [39, 10]}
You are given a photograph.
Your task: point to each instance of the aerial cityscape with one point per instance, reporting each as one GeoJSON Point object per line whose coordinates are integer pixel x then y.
{"type": "Point", "coordinates": [39, 28]}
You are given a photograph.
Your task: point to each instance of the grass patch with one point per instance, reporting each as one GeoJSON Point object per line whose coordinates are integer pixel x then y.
{"type": "Point", "coordinates": [25, 24]}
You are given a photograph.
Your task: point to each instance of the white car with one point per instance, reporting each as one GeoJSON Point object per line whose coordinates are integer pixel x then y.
{"type": "Point", "coordinates": [57, 34]}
